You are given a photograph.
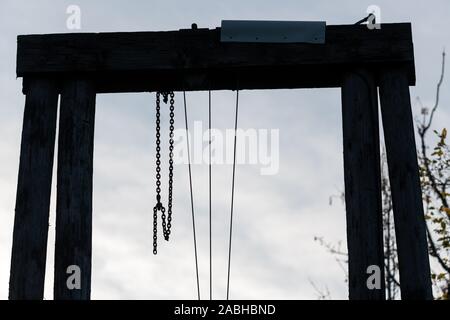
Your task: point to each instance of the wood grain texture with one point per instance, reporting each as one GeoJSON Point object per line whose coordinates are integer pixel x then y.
{"type": "Point", "coordinates": [362, 183]}
{"type": "Point", "coordinates": [409, 219]}
{"type": "Point", "coordinates": [74, 198]}
{"type": "Point", "coordinates": [33, 191]}
{"type": "Point", "coordinates": [197, 60]}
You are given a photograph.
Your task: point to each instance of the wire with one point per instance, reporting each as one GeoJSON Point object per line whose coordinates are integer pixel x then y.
{"type": "Point", "coordinates": [192, 195]}
{"type": "Point", "coordinates": [210, 204]}
{"type": "Point", "coordinates": [366, 19]}
{"type": "Point", "coordinates": [232, 193]}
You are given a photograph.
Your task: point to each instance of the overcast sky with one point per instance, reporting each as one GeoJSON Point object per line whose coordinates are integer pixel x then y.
{"type": "Point", "coordinates": [276, 217]}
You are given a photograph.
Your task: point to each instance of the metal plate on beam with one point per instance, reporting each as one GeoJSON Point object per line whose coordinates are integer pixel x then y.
{"type": "Point", "coordinates": [273, 31]}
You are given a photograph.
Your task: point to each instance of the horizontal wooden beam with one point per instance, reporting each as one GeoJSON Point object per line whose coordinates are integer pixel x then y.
{"type": "Point", "coordinates": [197, 60]}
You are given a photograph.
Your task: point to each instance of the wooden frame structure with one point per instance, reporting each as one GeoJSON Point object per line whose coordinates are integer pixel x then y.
{"type": "Point", "coordinates": [78, 66]}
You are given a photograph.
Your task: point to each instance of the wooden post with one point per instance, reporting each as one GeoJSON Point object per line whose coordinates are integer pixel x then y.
{"type": "Point", "coordinates": [74, 199]}
{"type": "Point", "coordinates": [33, 190]}
{"type": "Point", "coordinates": [409, 219]}
{"type": "Point", "coordinates": [362, 183]}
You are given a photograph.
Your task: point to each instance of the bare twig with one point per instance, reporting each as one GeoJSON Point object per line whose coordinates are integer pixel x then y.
{"type": "Point", "coordinates": [322, 294]}
{"type": "Point", "coordinates": [438, 89]}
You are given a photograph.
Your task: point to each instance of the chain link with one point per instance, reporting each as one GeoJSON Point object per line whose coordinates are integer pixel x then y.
{"type": "Point", "coordinates": [166, 224]}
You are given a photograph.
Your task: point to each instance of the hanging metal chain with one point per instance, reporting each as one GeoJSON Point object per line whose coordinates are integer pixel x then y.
{"type": "Point", "coordinates": [169, 202]}
{"type": "Point", "coordinates": [159, 207]}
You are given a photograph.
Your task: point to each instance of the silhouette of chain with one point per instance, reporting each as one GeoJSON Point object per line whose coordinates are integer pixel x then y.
{"type": "Point", "coordinates": [166, 224]}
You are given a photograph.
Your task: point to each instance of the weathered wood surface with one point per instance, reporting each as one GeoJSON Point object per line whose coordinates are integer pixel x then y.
{"type": "Point", "coordinates": [197, 60]}
{"type": "Point", "coordinates": [33, 191]}
{"type": "Point", "coordinates": [409, 219]}
{"type": "Point", "coordinates": [74, 188]}
{"type": "Point", "coordinates": [362, 183]}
